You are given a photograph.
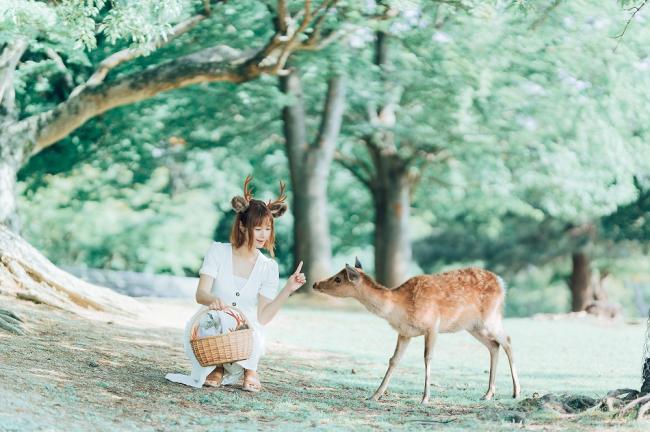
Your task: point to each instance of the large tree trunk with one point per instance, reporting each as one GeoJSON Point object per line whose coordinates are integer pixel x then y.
{"type": "Point", "coordinates": [11, 150]}
{"type": "Point", "coordinates": [391, 186]}
{"type": "Point", "coordinates": [28, 275]}
{"type": "Point", "coordinates": [580, 282]}
{"type": "Point", "coordinates": [391, 194]}
{"type": "Point", "coordinates": [8, 213]}
{"type": "Point", "coordinates": [310, 165]}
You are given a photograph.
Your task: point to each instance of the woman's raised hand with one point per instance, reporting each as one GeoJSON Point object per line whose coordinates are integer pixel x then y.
{"type": "Point", "coordinates": [217, 304]}
{"type": "Point", "coordinates": [297, 279]}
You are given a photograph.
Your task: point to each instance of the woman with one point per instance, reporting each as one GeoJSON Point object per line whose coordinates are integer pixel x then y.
{"type": "Point", "coordinates": [238, 274]}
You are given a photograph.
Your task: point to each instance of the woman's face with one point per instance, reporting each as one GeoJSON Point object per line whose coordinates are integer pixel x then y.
{"type": "Point", "coordinates": [262, 234]}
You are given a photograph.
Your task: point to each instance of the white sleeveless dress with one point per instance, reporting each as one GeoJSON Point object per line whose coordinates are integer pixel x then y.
{"type": "Point", "coordinates": [240, 292]}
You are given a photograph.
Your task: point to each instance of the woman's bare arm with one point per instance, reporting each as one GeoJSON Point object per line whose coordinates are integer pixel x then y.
{"type": "Point", "coordinates": [267, 308]}
{"type": "Point", "coordinates": [203, 293]}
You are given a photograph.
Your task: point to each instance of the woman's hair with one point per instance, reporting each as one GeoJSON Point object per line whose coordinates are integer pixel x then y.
{"type": "Point", "coordinates": [251, 213]}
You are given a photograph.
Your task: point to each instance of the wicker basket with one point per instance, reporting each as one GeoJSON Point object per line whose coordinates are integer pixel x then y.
{"type": "Point", "coordinates": [227, 348]}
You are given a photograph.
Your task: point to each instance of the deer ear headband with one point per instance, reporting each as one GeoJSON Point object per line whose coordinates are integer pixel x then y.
{"type": "Point", "coordinates": [277, 207]}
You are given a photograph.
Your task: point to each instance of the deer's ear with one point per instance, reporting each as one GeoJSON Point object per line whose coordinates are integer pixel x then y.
{"type": "Point", "coordinates": [352, 275]}
{"type": "Point", "coordinates": [357, 263]}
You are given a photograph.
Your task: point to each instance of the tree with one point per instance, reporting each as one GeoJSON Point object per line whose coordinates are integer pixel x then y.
{"type": "Point", "coordinates": [395, 117]}
{"type": "Point", "coordinates": [25, 134]}
{"type": "Point", "coordinates": [309, 164]}
{"type": "Point", "coordinates": [564, 139]}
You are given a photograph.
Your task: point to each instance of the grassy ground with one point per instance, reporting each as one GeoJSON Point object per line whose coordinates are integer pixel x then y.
{"type": "Point", "coordinates": [322, 363]}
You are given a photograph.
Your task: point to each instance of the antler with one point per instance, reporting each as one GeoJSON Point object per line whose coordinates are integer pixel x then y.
{"type": "Point", "coordinates": [248, 194]}
{"type": "Point", "coordinates": [282, 198]}
{"type": "Point", "coordinates": [279, 206]}
{"type": "Point", "coordinates": [240, 204]}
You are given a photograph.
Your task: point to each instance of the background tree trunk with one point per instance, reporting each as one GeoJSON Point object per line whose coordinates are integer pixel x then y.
{"type": "Point", "coordinates": [579, 283]}
{"type": "Point", "coordinates": [392, 204]}
{"type": "Point", "coordinates": [391, 187]}
{"type": "Point", "coordinates": [309, 165]}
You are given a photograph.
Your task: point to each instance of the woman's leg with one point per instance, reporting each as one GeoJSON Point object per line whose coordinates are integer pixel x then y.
{"type": "Point", "coordinates": [251, 381]}
{"type": "Point", "coordinates": [215, 377]}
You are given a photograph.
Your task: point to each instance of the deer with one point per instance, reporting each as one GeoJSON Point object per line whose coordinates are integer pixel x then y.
{"type": "Point", "coordinates": [470, 299]}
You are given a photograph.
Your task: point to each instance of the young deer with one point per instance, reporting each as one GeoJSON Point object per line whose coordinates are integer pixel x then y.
{"type": "Point", "coordinates": [468, 299]}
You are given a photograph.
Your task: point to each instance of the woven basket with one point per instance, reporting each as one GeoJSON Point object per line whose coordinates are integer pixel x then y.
{"type": "Point", "coordinates": [227, 348]}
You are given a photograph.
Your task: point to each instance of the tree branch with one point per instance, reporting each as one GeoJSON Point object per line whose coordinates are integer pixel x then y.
{"type": "Point", "coordinates": [544, 15]}
{"type": "Point", "coordinates": [220, 63]}
{"type": "Point", "coordinates": [635, 10]}
{"type": "Point", "coordinates": [209, 65]}
{"type": "Point", "coordinates": [273, 57]}
{"type": "Point", "coordinates": [8, 61]}
{"type": "Point", "coordinates": [291, 43]}
{"type": "Point", "coordinates": [128, 54]}
{"type": "Point", "coordinates": [293, 116]}
{"type": "Point", "coordinates": [283, 13]}
{"type": "Point", "coordinates": [61, 65]}
{"type": "Point", "coordinates": [321, 14]}
{"type": "Point", "coordinates": [356, 168]}
{"type": "Point", "coordinates": [332, 117]}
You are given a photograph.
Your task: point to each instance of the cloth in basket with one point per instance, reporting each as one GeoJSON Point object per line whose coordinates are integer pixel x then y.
{"type": "Point", "coordinates": [220, 322]}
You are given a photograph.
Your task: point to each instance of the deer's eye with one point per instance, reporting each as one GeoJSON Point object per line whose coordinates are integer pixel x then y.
{"type": "Point", "coordinates": [337, 279]}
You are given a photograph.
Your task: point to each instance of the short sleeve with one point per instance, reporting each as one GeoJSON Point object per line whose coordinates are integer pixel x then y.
{"type": "Point", "coordinates": [271, 282]}
{"type": "Point", "coordinates": [211, 260]}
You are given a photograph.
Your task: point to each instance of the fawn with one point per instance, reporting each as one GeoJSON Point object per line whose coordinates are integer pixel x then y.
{"type": "Point", "coordinates": [469, 299]}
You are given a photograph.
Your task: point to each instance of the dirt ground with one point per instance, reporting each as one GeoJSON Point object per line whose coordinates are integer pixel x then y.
{"type": "Point", "coordinates": [71, 373]}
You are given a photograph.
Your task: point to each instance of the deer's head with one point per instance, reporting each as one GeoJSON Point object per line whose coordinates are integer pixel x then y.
{"type": "Point", "coordinates": [344, 283]}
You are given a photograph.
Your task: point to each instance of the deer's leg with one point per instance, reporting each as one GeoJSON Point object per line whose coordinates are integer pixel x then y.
{"type": "Point", "coordinates": [505, 342]}
{"type": "Point", "coordinates": [429, 342]}
{"type": "Point", "coordinates": [493, 347]}
{"type": "Point", "coordinates": [402, 343]}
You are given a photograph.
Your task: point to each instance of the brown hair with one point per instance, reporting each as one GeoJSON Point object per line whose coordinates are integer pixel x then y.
{"type": "Point", "coordinates": [251, 213]}
{"type": "Point", "coordinates": [257, 214]}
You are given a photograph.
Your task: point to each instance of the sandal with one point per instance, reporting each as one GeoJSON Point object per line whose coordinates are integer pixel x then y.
{"type": "Point", "coordinates": [251, 381]}
{"type": "Point", "coordinates": [215, 377]}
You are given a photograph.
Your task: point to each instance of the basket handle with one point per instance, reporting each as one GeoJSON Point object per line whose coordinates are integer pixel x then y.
{"type": "Point", "coordinates": [204, 310]}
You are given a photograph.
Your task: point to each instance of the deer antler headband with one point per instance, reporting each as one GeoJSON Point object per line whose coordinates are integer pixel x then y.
{"type": "Point", "coordinates": [277, 207]}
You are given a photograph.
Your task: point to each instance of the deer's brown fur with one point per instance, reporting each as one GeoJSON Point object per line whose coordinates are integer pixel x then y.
{"type": "Point", "coordinates": [470, 299]}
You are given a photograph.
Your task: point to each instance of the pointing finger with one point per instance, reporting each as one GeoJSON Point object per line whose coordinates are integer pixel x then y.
{"type": "Point", "coordinates": [299, 268]}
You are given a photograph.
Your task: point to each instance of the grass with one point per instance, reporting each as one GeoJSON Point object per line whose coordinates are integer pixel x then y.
{"type": "Point", "coordinates": [321, 365]}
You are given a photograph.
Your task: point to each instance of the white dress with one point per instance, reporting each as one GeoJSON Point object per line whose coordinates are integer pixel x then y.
{"type": "Point", "coordinates": [243, 293]}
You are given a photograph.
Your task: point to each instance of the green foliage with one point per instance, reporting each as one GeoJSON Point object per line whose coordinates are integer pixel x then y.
{"type": "Point", "coordinates": [519, 127]}
{"type": "Point", "coordinates": [127, 227]}
{"type": "Point", "coordinates": [551, 137]}
{"type": "Point", "coordinates": [142, 23]}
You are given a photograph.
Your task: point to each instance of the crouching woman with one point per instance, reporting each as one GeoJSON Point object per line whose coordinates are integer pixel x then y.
{"type": "Point", "coordinates": [237, 274]}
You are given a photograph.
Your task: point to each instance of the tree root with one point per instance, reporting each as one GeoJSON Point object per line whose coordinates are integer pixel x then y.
{"type": "Point", "coordinates": [10, 322]}
{"type": "Point", "coordinates": [26, 274]}
{"type": "Point", "coordinates": [626, 401]}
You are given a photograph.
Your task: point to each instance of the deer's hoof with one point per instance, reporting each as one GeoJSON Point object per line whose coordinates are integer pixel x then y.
{"type": "Point", "coordinates": [488, 396]}
{"type": "Point", "coordinates": [425, 400]}
{"type": "Point", "coordinates": [375, 397]}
